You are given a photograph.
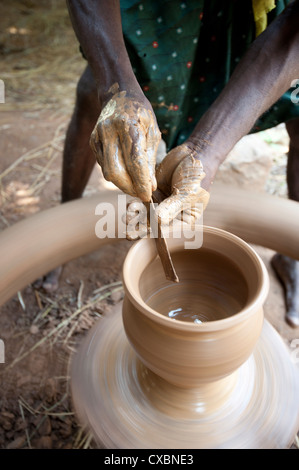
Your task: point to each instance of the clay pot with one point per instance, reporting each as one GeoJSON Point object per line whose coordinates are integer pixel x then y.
{"type": "Point", "coordinates": [205, 327]}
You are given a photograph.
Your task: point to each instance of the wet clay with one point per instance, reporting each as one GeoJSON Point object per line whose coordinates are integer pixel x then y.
{"type": "Point", "coordinates": [108, 395]}
{"type": "Point", "coordinates": [257, 218]}
{"type": "Point", "coordinates": [216, 384]}
{"type": "Point", "coordinates": [211, 287]}
{"type": "Point", "coordinates": [126, 406]}
{"type": "Point", "coordinates": [226, 298]}
{"type": "Point", "coordinates": [125, 141]}
{"type": "Point", "coordinates": [42, 242]}
{"type": "Point", "coordinates": [179, 178]}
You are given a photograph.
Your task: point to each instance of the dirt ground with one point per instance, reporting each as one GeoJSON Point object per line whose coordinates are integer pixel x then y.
{"type": "Point", "coordinates": [36, 409]}
{"type": "Point", "coordinates": [41, 65]}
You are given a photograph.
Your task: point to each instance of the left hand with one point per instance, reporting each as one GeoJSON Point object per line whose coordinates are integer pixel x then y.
{"type": "Point", "coordinates": [179, 192]}
{"type": "Point", "coordinates": [179, 178]}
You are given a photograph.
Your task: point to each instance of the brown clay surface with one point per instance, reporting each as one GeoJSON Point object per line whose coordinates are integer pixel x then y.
{"type": "Point", "coordinates": [210, 288]}
{"type": "Point", "coordinates": [241, 411]}
{"type": "Point", "coordinates": [40, 380]}
{"type": "Point", "coordinates": [36, 411]}
{"type": "Point", "coordinates": [188, 353]}
{"type": "Point", "coordinates": [42, 68]}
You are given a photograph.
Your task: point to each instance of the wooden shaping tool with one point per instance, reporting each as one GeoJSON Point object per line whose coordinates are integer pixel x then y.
{"type": "Point", "coordinates": [161, 245]}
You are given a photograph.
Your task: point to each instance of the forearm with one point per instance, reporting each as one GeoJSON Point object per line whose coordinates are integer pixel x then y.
{"type": "Point", "coordinates": [97, 25]}
{"type": "Point", "coordinates": [260, 79]}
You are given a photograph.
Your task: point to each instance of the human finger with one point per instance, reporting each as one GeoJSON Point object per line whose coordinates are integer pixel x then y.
{"type": "Point", "coordinates": [136, 161]}
{"type": "Point", "coordinates": [113, 164]}
{"type": "Point", "coordinates": [136, 220]}
{"type": "Point", "coordinates": [153, 140]}
{"type": "Point", "coordinates": [167, 167]}
{"type": "Point", "coordinates": [186, 190]}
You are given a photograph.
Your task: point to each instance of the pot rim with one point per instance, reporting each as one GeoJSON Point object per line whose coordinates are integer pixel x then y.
{"type": "Point", "coordinates": [214, 325]}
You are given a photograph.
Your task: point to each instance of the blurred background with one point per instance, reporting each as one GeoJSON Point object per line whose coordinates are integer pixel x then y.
{"type": "Point", "coordinates": [40, 66]}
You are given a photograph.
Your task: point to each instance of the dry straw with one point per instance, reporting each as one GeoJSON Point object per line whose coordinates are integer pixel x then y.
{"type": "Point", "coordinates": [41, 62]}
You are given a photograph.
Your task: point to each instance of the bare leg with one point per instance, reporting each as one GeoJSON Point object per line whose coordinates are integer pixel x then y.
{"type": "Point", "coordinates": [287, 269]}
{"type": "Point", "coordinates": [78, 159]}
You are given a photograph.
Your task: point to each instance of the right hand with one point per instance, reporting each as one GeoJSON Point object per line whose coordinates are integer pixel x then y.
{"type": "Point", "coordinates": [125, 141]}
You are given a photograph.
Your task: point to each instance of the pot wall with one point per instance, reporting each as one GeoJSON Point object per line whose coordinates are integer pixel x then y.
{"type": "Point", "coordinates": [184, 353]}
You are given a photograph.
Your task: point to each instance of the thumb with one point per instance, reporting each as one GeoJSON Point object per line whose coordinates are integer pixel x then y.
{"type": "Point", "coordinates": [179, 203]}
{"type": "Point", "coordinates": [186, 190]}
{"type": "Point", "coordinates": [169, 208]}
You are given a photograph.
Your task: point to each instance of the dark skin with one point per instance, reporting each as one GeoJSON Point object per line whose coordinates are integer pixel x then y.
{"type": "Point", "coordinates": [261, 77]}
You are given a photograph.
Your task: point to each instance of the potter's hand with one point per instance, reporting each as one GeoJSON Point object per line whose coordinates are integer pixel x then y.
{"type": "Point", "coordinates": [125, 141]}
{"type": "Point", "coordinates": [179, 178]}
{"type": "Point", "coordinates": [179, 193]}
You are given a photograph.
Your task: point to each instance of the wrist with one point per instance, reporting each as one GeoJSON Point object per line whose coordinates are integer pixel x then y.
{"type": "Point", "coordinates": [208, 153]}
{"type": "Point", "coordinates": [217, 132]}
{"type": "Point", "coordinates": [122, 80]}
{"type": "Point", "coordinates": [111, 80]}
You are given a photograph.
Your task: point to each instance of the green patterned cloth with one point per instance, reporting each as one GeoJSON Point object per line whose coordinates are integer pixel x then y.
{"type": "Point", "coordinates": [184, 52]}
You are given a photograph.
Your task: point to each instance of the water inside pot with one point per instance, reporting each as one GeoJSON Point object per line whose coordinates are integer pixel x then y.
{"type": "Point", "coordinates": [211, 287]}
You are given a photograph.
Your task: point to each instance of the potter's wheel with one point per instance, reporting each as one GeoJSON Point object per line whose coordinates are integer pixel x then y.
{"type": "Point", "coordinates": [126, 406]}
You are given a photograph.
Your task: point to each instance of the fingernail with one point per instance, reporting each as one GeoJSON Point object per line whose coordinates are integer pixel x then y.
{"type": "Point", "coordinates": [154, 184]}
{"type": "Point", "coordinates": [145, 196]}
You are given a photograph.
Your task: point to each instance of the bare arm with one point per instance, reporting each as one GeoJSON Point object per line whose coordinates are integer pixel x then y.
{"type": "Point", "coordinates": [126, 136]}
{"type": "Point", "coordinates": [98, 27]}
{"type": "Point", "coordinates": [260, 79]}
{"type": "Point", "coordinates": [263, 75]}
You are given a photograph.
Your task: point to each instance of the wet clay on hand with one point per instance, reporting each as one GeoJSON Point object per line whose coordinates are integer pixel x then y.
{"type": "Point", "coordinates": [125, 141]}
{"type": "Point", "coordinates": [179, 194]}
{"type": "Point", "coordinates": [179, 177]}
